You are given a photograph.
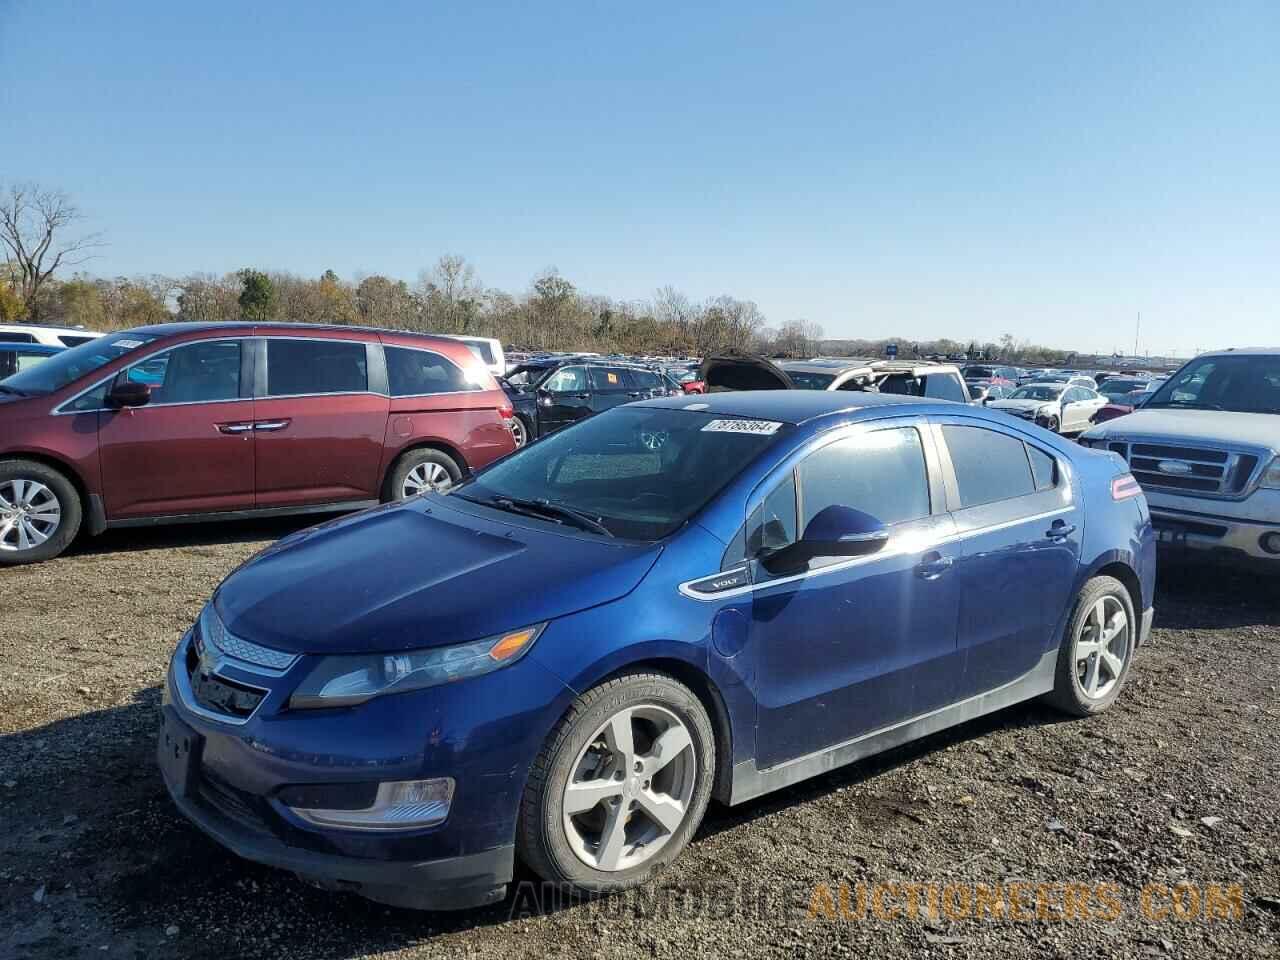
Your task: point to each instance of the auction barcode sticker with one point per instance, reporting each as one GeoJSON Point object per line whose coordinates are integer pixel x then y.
{"type": "Point", "coordinates": [764, 427]}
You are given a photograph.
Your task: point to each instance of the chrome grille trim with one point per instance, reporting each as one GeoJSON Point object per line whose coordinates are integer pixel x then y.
{"type": "Point", "coordinates": [1214, 472]}
{"type": "Point", "coordinates": [247, 655]}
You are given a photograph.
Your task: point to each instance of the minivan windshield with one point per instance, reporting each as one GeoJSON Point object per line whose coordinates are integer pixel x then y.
{"type": "Point", "coordinates": [1243, 383]}
{"type": "Point", "coordinates": [70, 365]}
{"type": "Point", "coordinates": [632, 472]}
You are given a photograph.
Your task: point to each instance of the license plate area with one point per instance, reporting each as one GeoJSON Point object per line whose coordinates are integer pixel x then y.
{"type": "Point", "coordinates": [178, 752]}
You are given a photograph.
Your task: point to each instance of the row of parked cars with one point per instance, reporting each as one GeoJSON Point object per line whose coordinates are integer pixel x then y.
{"type": "Point", "coordinates": [207, 421]}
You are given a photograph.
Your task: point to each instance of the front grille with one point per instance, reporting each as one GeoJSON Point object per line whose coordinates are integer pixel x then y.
{"type": "Point", "coordinates": [1187, 469]}
{"type": "Point", "coordinates": [234, 804]}
{"type": "Point", "coordinates": [236, 701]}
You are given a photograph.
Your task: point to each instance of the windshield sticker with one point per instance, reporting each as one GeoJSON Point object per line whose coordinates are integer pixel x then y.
{"type": "Point", "coordinates": [613, 378]}
{"type": "Point", "coordinates": [761, 427]}
{"type": "Point", "coordinates": [128, 344]}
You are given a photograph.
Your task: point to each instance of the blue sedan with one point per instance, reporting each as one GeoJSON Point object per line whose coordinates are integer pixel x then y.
{"type": "Point", "coordinates": [565, 658]}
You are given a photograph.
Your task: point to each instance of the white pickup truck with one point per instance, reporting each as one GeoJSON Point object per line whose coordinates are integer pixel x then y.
{"type": "Point", "coordinates": [1206, 449]}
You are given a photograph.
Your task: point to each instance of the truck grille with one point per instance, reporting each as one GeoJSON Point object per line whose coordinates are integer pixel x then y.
{"type": "Point", "coordinates": [1184, 469]}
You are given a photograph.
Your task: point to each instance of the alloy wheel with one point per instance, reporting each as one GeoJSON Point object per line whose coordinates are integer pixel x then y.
{"type": "Point", "coordinates": [30, 514]}
{"type": "Point", "coordinates": [518, 432]}
{"type": "Point", "coordinates": [630, 788]}
{"type": "Point", "coordinates": [1102, 646]}
{"type": "Point", "coordinates": [426, 477]}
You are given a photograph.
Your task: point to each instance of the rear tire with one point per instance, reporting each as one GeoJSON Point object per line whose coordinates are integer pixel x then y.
{"type": "Point", "coordinates": [636, 757]}
{"type": "Point", "coordinates": [40, 512]}
{"type": "Point", "coordinates": [1097, 649]}
{"type": "Point", "coordinates": [421, 471]}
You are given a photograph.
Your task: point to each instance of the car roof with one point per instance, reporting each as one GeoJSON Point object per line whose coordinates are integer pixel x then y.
{"type": "Point", "coordinates": [821, 366]}
{"type": "Point", "coordinates": [23, 345]}
{"type": "Point", "coordinates": [792, 406]}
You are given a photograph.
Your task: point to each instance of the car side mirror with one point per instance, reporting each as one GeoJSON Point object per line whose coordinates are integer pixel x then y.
{"type": "Point", "coordinates": [128, 394]}
{"type": "Point", "coordinates": [835, 531]}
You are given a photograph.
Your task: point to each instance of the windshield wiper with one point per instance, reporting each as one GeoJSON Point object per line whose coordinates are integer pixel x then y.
{"type": "Point", "coordinates": [546, 510]}
{"type": "Point", "coordinates": [1196, 404]}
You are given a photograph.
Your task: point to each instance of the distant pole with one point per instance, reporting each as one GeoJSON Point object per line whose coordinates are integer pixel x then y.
{"type": "Point", "coordinates": [1136, 330]}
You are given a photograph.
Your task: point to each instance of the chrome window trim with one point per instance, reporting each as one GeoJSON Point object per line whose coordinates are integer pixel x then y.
{"type": "Point", "coordinates": [915, 547]}
{"type": "Point", "coordinates": [57, 411]}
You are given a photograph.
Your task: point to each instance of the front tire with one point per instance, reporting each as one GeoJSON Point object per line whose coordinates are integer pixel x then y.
{"type": "Point", "coordinates": [620, 786]}
{"type": "Point", "coordinates": [1097, 650]}
{"type": "Point", "coordinates": [40, 512]}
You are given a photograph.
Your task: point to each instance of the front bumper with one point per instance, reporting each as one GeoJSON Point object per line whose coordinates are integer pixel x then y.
{"type": "Point", "coordinates": [1214, 537]}
{"type": "Point", "coordinates": [483, 733]}
{"type": "Point", "coordinates": [450, 884]}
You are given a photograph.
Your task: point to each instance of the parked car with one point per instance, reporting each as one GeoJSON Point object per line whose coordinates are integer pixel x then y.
{"type": "Point", "coordinates": [1122, 406]}
{"type": "Point", "coordinates": [16, 357]}
{"type": "Point", "coordinates": [1059, 407]}
{"type": "Point", "coordinates": [377, 718]}
{"type": "Point", "coordinates": [939, 381]}
{"type": "Point", "coordinates": [1206, 449]}
{"type": "Point", "coordinates": [186, 421]}
{"type": "Point", "coordinates": [985, 394]}
{"type": "Point", "coordinates": [983, 375]}
{"type": "Point", "coordinates": [48, 336]}
{"type": "Point", "coordinates": [1119, 389]}
{"type": "Point", "coordinates": [567, 390]}
{"type": "Point", "coordinates": [488, 349]}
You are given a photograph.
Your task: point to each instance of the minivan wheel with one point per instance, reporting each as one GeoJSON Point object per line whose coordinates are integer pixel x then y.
{"type": "Point", "coordinates": [1093, 662]}
{"type": "Point", "coordinates": [422, 471]}
{"type": "Point", "coordinates": [39, 512]}
{"type": "Point", "coordinates": [620, 785]}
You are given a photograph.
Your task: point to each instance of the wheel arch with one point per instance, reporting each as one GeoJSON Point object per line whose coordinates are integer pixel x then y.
{"type": "Point", "coordinates": [1126, 575]}
{"type": "Point", "coordinates": [432, 443]}
{"type": "Point", "coordinates": [705, 689]}
{"type": "Point", "coordinates": [93, 521]}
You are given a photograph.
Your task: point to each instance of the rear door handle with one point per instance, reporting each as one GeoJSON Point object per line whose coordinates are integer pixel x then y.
{"type": "Point", "coordinates": [270, 426]}
{"type": "Point", "coordinates": [234, 427]}
{"type": "Point", "coordinates": [1060, 530]}
{"type": "Point", "coordinates": [933, 565]}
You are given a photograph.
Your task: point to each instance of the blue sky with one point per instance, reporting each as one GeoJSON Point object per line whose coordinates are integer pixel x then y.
{"type": "Point", "coordinates": [962, 170]}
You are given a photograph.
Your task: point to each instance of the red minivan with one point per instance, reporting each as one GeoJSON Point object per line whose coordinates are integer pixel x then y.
{"type": "Point", "coordinates": [200, 421]}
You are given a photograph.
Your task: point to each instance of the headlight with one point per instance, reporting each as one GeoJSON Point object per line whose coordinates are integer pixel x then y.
{"type": "Point", "coordinates": [1271, 476]}
{"type": "Point", "coordinates": [345, 680]}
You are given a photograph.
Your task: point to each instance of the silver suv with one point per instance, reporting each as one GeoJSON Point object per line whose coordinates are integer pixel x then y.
{"type": "Point", "coordinates": [1206, 449]}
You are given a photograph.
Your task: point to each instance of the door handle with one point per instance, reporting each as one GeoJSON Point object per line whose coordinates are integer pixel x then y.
{"type": "Point", "coordinates": [270, 426]}
{"type": "Point", "coordinates": [1060, 530]}
{"type": "Point", "coordinates": [933, 565]}
{"type": "Point", "coordinates": [234, 428]}
{"type": "Point", "coordinates": [582, 396]}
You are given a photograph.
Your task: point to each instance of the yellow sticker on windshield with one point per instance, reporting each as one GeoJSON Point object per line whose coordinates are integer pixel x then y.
{"type": "Point", "coordinates": [613, 378]}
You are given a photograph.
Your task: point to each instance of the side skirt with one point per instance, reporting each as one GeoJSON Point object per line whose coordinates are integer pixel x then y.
{"type": "Point", "coordinates": [345, 506]}
{"type": "Point", "coordinates": [750, 782]}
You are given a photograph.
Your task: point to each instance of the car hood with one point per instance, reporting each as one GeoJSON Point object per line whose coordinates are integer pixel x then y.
{"type": "Point", "coordinates": [1021, 404]}
{"type": "Point", "coordinates": [1208, 426]}
{"type": "Point", "coordinates": [421, 574]}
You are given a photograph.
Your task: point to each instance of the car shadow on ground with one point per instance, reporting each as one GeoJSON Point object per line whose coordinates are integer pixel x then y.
{"type": "Point", "coordinates": [1190, 596]}
{"type": "Point", "coordinates": [169, 536]}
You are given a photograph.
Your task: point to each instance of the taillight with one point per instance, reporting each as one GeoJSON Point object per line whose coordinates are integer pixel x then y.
{"type": "Point", "coordinates": [507, 411]}
{"type": "Point", "coordinates": [1124, 487]}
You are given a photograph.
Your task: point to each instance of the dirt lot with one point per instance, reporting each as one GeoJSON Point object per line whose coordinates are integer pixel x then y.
{"type": "Point", "coordinates": [1179, 783]}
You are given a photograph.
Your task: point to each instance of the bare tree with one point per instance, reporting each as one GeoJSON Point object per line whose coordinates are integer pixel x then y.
{"type": "Point", "coordinates": [33, 224]}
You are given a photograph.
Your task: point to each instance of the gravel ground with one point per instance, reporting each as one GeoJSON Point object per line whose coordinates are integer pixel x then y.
{"type": "Point", "coordinates": [1180, 783]}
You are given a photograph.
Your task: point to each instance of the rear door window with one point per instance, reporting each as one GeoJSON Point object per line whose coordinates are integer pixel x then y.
{"type": "Point", "coordinates": [943, 386]}
{"type": "Point", "coordinates": [307, 367]}
{"type": "Point", "coordinates": [989, 466]}
{"type": "Point", "coordinates": [567, 380]}
{"type": "Point", "coordinates": [611, 378]}
{"type": "Point", "coordinates": [414, 373]}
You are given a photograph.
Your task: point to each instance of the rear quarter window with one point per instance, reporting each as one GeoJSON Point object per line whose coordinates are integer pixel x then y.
{"type": "Point", "coordinates": [415, 373]}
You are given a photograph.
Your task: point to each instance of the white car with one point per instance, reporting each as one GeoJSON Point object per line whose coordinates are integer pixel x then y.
{"type": "Point", "coordinates": [49, 336]}
{"type": "Point", "coordinates": [1060, 407]}
{"type": "Point", "coordinates": [488, 349]}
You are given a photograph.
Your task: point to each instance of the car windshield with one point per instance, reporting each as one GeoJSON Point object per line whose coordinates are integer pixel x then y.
{"type": "Point", "coordinates": [978, 373]}
{"type": "Point", "coordinates": [1115, 389]}
{"type": "Point", "coordinates": [810, 381]}
{"type": "Point", "coordinates": [1241, 383]}
{"type": "Point", "coordinates": [70, 365]}
{"type": "Point", "coordinates": [1040, 391]}
{"type": "Point", "coordinates": [637, 472]}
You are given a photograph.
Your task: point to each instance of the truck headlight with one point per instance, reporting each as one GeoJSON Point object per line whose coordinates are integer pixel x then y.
{"type": "Point", "coordinates": [1271, 476]}
{"type": "Point", "coordinates": [341, 681]}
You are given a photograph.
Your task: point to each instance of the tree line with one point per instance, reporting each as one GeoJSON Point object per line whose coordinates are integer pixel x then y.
{"type": "Point", "coordinates": [40, 282]}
